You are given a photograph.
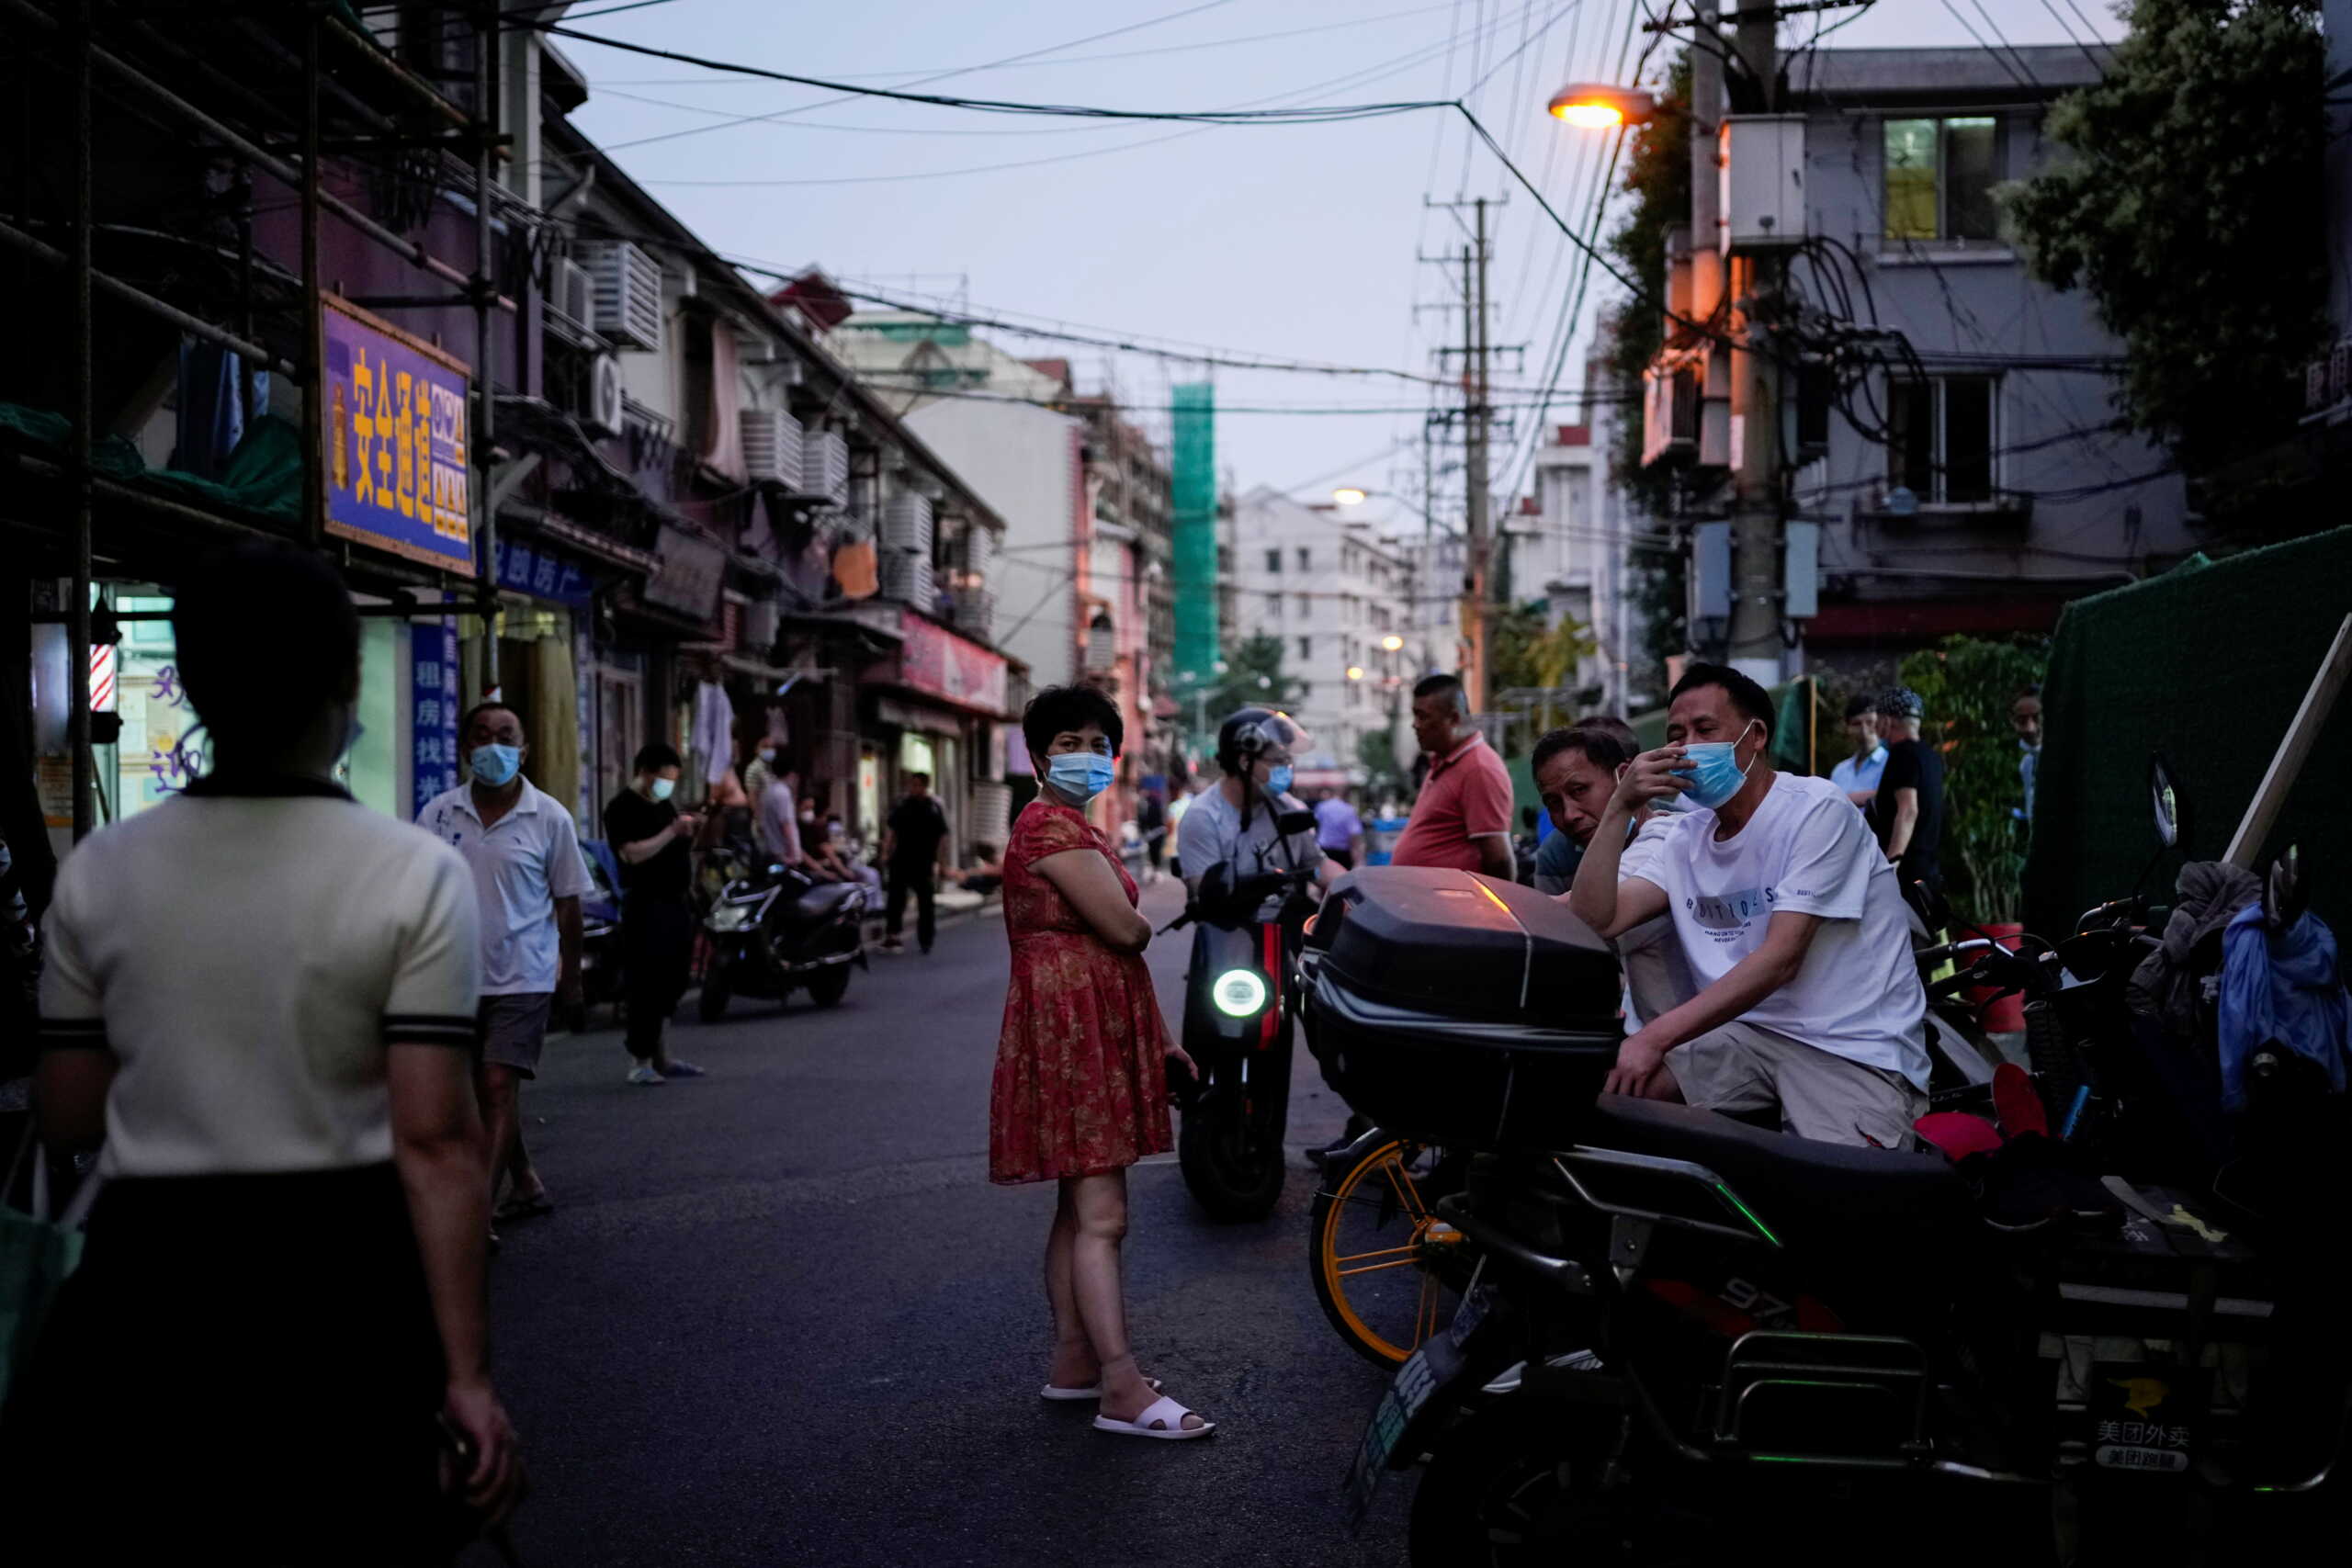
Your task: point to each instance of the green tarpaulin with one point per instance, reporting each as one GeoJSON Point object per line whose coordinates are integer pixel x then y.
{"type": "Point", "coordinates": [263, 475]}
{"type": "Point", "coordinates": [2207, 664]}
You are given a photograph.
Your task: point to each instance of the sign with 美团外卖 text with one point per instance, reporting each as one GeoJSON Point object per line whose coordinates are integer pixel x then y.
{"type": "Point", "coordinates": [398, 440]}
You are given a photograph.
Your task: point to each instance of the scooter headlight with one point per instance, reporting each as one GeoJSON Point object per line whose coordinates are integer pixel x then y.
{"type": "Point", "coordinates": [1238, 993]}
{"type": "Point", "coordinates": [732, 917]}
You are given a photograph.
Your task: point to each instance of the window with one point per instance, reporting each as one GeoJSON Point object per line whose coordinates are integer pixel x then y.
{"type": "Point", "coordinates": [1942, 437]}
{"type": "Point", "coordinates": [1939, 178]}
{"type": "Point", "coordinates": [1305, 649]}
{"type": "Point", "coordinates": [1274, 560]}
{"type": "Point", "coordinates": [1302, 557]}
{"type": "Point", "coordinates": [1305, 606]}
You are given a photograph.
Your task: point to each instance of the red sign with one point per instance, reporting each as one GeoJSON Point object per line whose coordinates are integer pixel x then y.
{"type": "Point", "coordinates": [957, 670]}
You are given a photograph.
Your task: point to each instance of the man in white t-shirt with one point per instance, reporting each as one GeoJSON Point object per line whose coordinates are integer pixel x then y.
{"type": "Point", "coordinates": [524, 851]}
{"type": "Point", "coordinates": [1789, 919]}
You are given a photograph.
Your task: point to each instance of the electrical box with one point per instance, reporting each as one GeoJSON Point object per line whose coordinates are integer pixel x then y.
{"type": "Point", "coordinates": [1800, 570]}
{"type": "Point", "coordinates": [1710, 573]}
{"type": "Point", "coordinates": [1760, 167]}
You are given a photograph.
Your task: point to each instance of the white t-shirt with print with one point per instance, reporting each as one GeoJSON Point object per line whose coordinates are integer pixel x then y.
{"type": "Point", "coordinates": [1808, 851]}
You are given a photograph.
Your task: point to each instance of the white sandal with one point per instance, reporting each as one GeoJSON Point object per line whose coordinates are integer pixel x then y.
{"type": "Point", "coordinates": [1163, 1419]}
{"type": "Point", "coordinates": [1092, 1391]}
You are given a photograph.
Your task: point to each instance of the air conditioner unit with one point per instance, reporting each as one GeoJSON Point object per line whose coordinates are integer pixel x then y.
{"type": "Point", "coordinates": [573, 297]}
{"type": "Point", "coordinates": [628, 306]}
{"type": "Point", "coordinates": [906, 523]}
{"type": "Point", "coordinates": [1670, 413]}
{"type": "Point", "coordinates": [604, 415]}
{"type": "Point", "coordinates": [1761, 180]}
{"type": "Point", "coordinates": [824, 465]}
{"type": "Point", "coordinates": [772, 445]}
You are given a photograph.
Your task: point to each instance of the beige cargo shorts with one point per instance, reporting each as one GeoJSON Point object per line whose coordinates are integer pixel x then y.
{"type": "Point", "coordinates": [1745, 1067]}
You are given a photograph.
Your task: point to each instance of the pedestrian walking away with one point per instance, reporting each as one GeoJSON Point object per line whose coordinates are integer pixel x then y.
{"type": "Point", "coordinates": [262, 996]}
{"type": "Point", "coordinates": [914, 846]}
{"type": "Point", "coordinates": [1462, 817]}
{"type": "Point", "coordinates": [650, 835]}
{"type": "Point", "coordinates": [1339, 831]}
{"type": "Point", "coordinates": [524, 851]}
{"type": "Point", "coordinates": [1081, 1087]}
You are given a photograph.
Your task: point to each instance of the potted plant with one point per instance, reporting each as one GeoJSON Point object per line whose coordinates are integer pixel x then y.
{"type": "Point", "coordinates": [1969, 686]}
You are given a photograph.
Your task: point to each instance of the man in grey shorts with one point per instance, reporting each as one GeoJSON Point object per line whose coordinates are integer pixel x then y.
{"type": "Point", "coordinates": [1789, 919]}
{"type": "Point", "coordinates": [524, 851]}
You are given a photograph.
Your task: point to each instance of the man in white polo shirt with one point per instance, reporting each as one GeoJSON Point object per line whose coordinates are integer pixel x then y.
{"type": "Point", "coordinates": [1789, 919]}
{"type": "Point", "coordinates": [525, 854]}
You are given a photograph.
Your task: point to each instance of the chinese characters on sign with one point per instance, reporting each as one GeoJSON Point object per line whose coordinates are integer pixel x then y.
{"type": "Point", "coordinates": [398, 444]}
{"type": "Point", "coordinates": [543, 574]}
{"type": "Point", "coordinates": [433, 688]}
{"type": "Point", "coordinates": [937, 660]}
{"type": "Point", "coordinates": [173, 745]}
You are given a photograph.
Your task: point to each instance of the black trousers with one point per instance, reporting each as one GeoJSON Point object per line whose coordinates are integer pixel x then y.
{"type": "Point", "coordinates": [657, 951]}
{"type": "Point", "coordinates": [918, 878]}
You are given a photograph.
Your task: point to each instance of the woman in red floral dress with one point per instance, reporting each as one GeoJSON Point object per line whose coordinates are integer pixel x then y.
{"type": "Point", "coordinates": [1081, 1079]}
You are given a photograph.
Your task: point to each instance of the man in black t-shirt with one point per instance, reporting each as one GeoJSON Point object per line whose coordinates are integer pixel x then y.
{"type": "Point", "coordinates": [650, 837]}
{"type": "Point", "coordinates": [1909, 811]}
{"type": "Point", "coordinates": [914, 848]}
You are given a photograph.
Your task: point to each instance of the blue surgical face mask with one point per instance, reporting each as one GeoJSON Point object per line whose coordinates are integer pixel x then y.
{"type": "Point", "coordinates": [495, 763]}
{"type": "Point", "coordinates": [1714, 772]}
{"type": "Point", "coordinates": [1278, 779]}
{"type": "Point", "coordinates": [662, 788]}
{"type": "Point", "coordinates": [1078, 776]}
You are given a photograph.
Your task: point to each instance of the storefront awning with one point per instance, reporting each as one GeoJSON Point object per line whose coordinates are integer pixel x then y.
{"type": "Point", "coordinates": [946, 667]}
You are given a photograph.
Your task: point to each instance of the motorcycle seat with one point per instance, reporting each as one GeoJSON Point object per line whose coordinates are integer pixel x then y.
{"type": "Point", "coordinates": [824, 898]}
{"type": "Point", "coordinates": [1806, 1191]}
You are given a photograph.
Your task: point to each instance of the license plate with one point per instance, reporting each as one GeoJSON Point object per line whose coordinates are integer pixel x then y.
{"type": "Point", "coordinates": [1426, 1372]}
{"type": "Point", "coordinates": [1472, 1312]}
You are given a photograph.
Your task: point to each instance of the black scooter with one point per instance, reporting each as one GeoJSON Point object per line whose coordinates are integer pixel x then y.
{"type": "Point", "coordinates": [773, 930]}
{"type": "Point", "coordinates": [1239, 1018]}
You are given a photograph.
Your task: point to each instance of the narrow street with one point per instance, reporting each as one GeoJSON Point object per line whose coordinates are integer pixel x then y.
{"type": "Point", "coordinates": [781, 1317]}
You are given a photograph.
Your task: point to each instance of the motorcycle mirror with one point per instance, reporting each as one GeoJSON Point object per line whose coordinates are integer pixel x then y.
{"type": "Point", "coordinates": [2285, 892]}
{"type": "Point", "coordinates": [2171, 811]}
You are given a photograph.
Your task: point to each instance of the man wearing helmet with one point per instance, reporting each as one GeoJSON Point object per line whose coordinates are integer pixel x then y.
{"type": "Point", "coordinates": [1234, 823]}
{"type": "Point", "coordinates": [1909, 810]}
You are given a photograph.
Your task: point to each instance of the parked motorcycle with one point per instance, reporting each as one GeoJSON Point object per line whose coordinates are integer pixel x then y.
{"type": "Point", "coordinates": [1239, 1018]}
{"type": "Point", "coordinates": [600, 935]}
{"type": "Point", "coordinates": [1680, 1324]}
{"type": "Point", "coordinates": [776, 930]}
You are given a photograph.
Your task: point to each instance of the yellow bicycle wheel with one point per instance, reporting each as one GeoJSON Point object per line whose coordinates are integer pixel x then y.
{"type": "Point", "coordinates": [1386, 1268]}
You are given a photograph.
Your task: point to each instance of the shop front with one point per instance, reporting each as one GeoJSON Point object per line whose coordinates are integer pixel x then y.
{"type": "Point", "coordinates": [936, 707]}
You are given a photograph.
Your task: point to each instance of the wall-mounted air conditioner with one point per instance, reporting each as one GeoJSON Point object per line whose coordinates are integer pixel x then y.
{"type": "Point", "coordinates": [604, 415]}
{"type": "Point", "coordinates": [629, 306]}
{"type": "Point", "coordinates": [573, 296]}
{"type": "Point", "coordinates": [824, 465]}
{"type": "Point", "coordinates": [772, 445]}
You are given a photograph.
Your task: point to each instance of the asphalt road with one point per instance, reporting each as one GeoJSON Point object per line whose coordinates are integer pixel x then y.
{"type": "Point", "coordinates": [780, 1318]}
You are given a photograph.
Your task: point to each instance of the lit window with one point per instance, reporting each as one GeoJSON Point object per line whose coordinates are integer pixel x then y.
{"type": "Point", "coordinates": [1939, 178]}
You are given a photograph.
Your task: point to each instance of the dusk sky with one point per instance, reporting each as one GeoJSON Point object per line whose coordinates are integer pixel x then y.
{"type": "Point", "coordinates": [1284, 240]}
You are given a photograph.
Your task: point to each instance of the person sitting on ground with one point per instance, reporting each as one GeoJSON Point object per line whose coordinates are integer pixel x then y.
{"type": "Point", "coordinates": [1790, 921]}
{"type": "Point", "coordinates": [1576, 770]}
{"type": "Point", "coordinates": [1858, 775]}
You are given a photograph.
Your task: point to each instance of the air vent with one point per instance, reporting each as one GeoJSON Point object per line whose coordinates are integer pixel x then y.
{"type": "Point", "coordinates": [773, 446]}
{"type": "Point", "coordinates": [824, 465]}
{"type": "Point", "coordinates": [628, 307]}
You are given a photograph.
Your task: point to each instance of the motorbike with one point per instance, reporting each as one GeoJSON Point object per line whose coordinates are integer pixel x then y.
{"type": "Point", "coordinates": [772, 930]}
{"type": "Point", "coordinates": [600, 935]}
{"type": "Point", "coordinates": [1678, 1325]}
{"type": "Point", "coordinates": [1239, 1021]}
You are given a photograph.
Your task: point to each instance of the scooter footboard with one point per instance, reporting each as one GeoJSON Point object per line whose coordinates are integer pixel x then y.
{"type": "Point", "coordinates": [1831, 1396]}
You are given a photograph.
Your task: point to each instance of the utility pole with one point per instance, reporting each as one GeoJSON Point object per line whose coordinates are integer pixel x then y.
{"type": "Point", "coordinates": [1754, 416]}
{"type": "Point", "coordinates": [1476, 414]}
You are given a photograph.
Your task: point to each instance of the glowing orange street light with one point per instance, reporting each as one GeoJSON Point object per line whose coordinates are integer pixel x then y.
{"type": "Point", "coordinates": [1592, 106]}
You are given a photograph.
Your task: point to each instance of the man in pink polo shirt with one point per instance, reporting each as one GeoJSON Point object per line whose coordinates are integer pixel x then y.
{"type": "Point", "coordinates": [1462, 818]}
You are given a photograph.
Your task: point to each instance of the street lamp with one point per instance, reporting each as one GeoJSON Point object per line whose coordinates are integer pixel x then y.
{"type": "Point", "coordinates": [1593, 106]}
{"type": "Point", "coordinates": [1393, 643]}
{"type": "Point", "coordinates": [1355, 672]}
{"type": "Point", "coordinates": [1348, 495]}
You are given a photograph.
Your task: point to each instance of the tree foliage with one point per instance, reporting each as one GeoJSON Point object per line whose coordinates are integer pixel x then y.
{"type": "Point", "coordinates": [2190, 212]}
{"type": "Point", "coordinates": [1968, 686]}
{"type": "Point", "coordinates": [1523, 652]}
{"type": "Point", "coordinates": [1252, 678]}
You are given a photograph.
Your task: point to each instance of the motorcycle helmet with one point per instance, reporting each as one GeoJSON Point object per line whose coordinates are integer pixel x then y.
{"type": "Point", "coordinates": [1251, 733]}
{"type": "Point", "coordinates": [1902, 702]}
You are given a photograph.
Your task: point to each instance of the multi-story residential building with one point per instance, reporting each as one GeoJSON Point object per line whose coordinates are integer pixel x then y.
{"type": "Point", "coordinates": [1975, 481]}
{"type": "Point", "coordinates": [1334, 592]}
{"type": "Point", "coordinates": [1567, 545]}
{"type": "Point", "coordinates": [1077, 581]}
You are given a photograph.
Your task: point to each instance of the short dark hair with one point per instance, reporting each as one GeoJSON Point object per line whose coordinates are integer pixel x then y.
{"type": "Point", "coordinates": [1608, 742]}
{"type": "Point", "coordinates": [1748, 698]}
{"type": "Point", "coordinates": [1860, 708]}
{"type": "Point", "coordinates": [655, 755]}
{"type": "Point", "coordinates": [234, 621]}
{"type": "Point", "coordinates": [1439, 685]}
{"type": "Point", "coordinates": [479, 709]}
{"type": "Point", "coordinates": [1058, 708]}
{"type": "Point", "coordinates": [918, 773]}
